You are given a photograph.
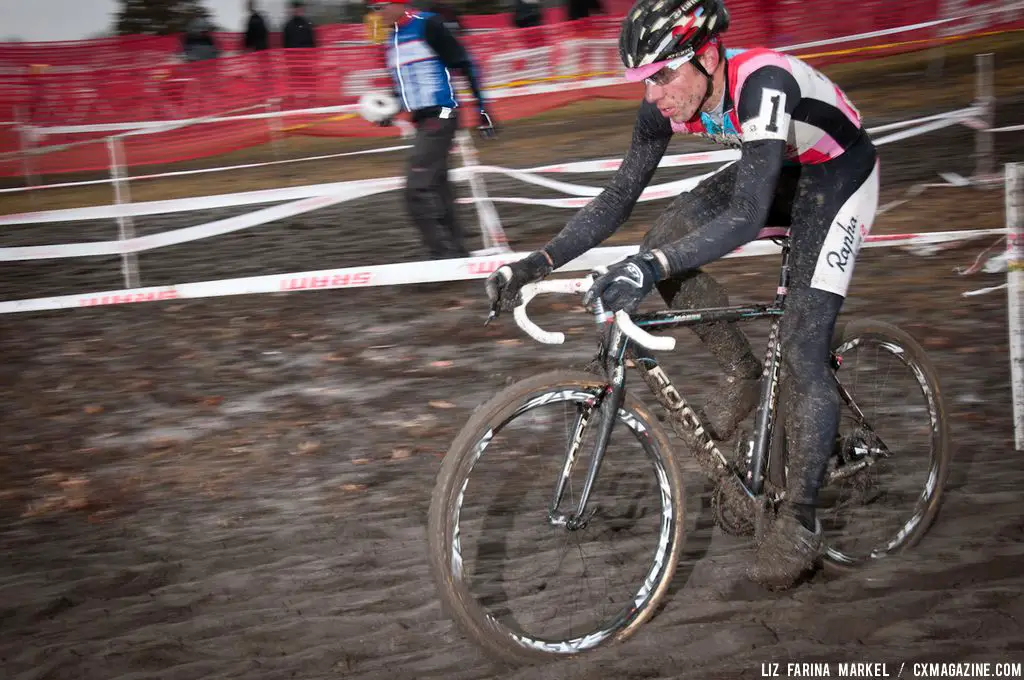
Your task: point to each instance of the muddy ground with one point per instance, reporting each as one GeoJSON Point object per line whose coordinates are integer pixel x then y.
{"type": "Point", "coordinates": [238, 487]}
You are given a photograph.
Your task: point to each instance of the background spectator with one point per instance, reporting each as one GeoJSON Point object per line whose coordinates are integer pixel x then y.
{"type": "Point", "coordinates": [526, 14]}
{"type": "Point", "coordinates": [256, 35]}
{"type": "Point", "coordinates": [298, 32]}
{"type": "Point", "coordinates": [197, 44]}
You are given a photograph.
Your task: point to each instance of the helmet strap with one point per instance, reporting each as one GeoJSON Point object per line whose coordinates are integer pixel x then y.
{"type": "Point", "coordinates": [711, 81]}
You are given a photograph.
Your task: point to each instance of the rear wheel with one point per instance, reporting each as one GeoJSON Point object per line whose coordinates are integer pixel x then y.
{"type": "Point", "coordinates": [885, 481]}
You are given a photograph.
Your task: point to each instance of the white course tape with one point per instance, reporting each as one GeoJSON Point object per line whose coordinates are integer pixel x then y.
{"type": "Point", "coordinates": [899, 125]}
{"type": "Point", "coordinates": [295, 193]}
{"type": "Point", "coordinates": [242, 198]}
{"type": "Point", "coordinates": [671, 161]}
{"type": "Point", "coordinates": [983, 291]}
{"type": "Point", "coordinates": [1009, 128]}
{"type": "Point", "coordinates": [180, 173]}
{"type": "Point", "coordinates": [348, 193]}
{"type": "Point", "coordinates": [178, 236]}
{"type": "Point", "coordinates": [176, 205]}
{"type": "Point", "coordinates": [651, 193]}
{"type": "Point", "coordinates": [953, 118]}
{"type": "Point", "coordinates": [937, 122]}
{"type": "Point", "coordinates": [402, 274]}
{"type": "Point", "coordinates": [157, 125]}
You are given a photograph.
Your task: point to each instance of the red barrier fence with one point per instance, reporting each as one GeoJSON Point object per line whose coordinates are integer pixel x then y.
{"type": "Point", "coordinates": [90, 99]}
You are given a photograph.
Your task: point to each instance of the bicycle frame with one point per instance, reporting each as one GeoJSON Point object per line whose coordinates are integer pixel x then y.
{"type": "Point", "coordinates": [613, 354]}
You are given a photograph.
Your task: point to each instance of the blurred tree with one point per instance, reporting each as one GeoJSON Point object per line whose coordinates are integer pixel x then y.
{"type": "Point", "coordinates": [158, 17]}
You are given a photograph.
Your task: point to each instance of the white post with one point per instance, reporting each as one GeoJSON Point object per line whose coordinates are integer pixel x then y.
{"type": "Point", "coordinates": [274, 123]}
{"type": "Point", "coordinates": [122, 195]}
{"type": "Point", "coordinates": [1014, 290]}
{"type": "Point", "coordinates": [26, 141]}
{"type": "Point", "coordinates": [984, 143]}
{"type": "Point", "coordinates": [490, 224]}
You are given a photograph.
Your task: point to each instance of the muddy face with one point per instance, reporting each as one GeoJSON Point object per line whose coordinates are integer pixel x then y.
{"type": "Point", "coordinates": [678, 93]}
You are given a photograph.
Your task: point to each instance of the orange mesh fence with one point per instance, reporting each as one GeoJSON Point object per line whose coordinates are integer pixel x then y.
{"type": "Point", "coordinates": [61, 99]}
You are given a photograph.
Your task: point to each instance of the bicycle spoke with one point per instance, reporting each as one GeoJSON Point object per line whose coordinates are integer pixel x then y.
{"type": "Point", "coordinates": [548, 582]}
{"type": "Point", "coordinates": [882, 477]}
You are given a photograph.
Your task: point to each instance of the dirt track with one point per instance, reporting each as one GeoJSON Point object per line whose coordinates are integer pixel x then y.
{"type": "Point", "coordinates": [238, 487]}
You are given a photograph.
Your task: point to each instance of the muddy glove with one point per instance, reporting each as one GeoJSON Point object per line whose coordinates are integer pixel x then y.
{"type": "Point", "coordinates": [626, 283]}
{"type": "Point", "coordinates": [503, 285]}
{"type": "Point", "coordinates": [487, 128]}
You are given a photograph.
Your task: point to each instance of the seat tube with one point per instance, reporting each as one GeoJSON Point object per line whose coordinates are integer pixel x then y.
{"type": "Point", "coordinates": [764, 422]}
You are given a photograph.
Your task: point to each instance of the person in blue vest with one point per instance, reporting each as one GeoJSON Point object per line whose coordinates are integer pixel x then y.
{"type": "Point", "coordinates": [421, 53]}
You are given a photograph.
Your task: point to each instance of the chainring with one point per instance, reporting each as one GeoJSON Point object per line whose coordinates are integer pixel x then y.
{"type": "Point", "coordinates": [734, 510]}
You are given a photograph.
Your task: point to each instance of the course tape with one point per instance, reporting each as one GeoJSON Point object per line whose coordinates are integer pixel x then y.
{"type": "Point", "coordinates": [178, 236]}
{"type": "Point", "coordinates": [266, 215]}
{"type": "Point", "coordinates": [935, 122]}
{"type": "Point", "coordinates": [406, 273]}
{"type": "Point", "coordinates": [307, 191]}
{"type": "Point", "coordinates": [181, 173]}
{"type": "Point", "coordinates": [241, 198]}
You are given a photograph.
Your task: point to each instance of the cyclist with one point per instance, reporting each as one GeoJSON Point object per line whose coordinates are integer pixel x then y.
{"type": "Point", "coordinates": [806, 163]}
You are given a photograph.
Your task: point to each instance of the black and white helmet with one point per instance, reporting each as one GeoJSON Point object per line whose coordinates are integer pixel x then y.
{"type": "Point", "coordinates": [658, 30]}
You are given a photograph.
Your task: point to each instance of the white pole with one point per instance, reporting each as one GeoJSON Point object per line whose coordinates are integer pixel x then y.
{"type": "Point", "coordinates": [274, 123]}
{"type": "Point", "coordinates": [490, 224]}
{"type": "Point", "coordinates": [125, 223]}
{"type": "Point", "coordinates": [1014, 290]}
{"type": "Point", "coordinates": [984, 144]}
{"type": "Point", "coordinates": [26, 140]}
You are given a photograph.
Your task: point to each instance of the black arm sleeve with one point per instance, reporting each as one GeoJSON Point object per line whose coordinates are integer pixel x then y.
{"type": "Point", "coordinates": [600, 218]}
{"type": "Point", "coordinates": [766, 104]}
{"type": "Point", "coordinates": [451, 53]}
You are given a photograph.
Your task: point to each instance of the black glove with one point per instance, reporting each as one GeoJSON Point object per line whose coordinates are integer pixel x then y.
{"type": "Point", "coordinates": [503, 285]}
{"type": "Point", "coordinates": [626, 283]}
{"type": "Point", "coordinates": [487, 128]}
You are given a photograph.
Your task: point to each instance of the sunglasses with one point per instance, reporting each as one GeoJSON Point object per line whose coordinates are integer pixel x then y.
{"type": "Point", "coordinates": [668, 72]}
{"type": "Point", "coordinates": [662, 77]}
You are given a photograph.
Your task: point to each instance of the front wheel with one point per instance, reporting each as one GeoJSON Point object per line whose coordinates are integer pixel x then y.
{"type": "Point", "coordinates": [519, 580]}
{"type": "Point", "coordinates": [885, 480]}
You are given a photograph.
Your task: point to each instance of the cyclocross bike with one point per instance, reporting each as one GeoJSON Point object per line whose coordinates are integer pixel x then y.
{"type": "Point", "coordinates": [521, 532]}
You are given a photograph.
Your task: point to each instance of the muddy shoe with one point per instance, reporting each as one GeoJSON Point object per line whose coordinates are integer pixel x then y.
{"type": "Point", "coordinates": [730, 405]}
{"type": "Point", "coordinates": [786, 552]}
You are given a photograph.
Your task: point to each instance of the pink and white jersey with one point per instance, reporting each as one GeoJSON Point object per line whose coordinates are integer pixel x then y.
{"type": "Point", "coordinates": [774, 96]}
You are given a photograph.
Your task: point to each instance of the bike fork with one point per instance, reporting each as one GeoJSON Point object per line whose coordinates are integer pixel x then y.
{"type": "Point", "coordinates": [610, 403]}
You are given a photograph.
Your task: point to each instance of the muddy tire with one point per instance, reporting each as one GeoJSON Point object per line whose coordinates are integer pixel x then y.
{"type": "Point", "coordinates": [910, 419]}
{"type": "Point", "coordinates": [449, 549]}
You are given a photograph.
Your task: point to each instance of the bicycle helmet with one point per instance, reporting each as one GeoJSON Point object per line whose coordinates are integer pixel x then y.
{"type": "Point", "coordinates": [656, 31]}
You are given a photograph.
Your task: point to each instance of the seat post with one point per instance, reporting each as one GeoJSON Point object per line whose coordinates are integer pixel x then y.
{"type": "Point", "coordinates": [783, 289]}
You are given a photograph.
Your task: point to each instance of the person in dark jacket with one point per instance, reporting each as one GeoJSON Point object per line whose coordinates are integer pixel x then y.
{"type": "Point", "coordinates": [527, 14]}
{"type": "Point", "coordinates": [256, 35]}
{"type": "Point", "coordinates": [197, 43]}
{"type": "Point", "coordinates": [298, 32]}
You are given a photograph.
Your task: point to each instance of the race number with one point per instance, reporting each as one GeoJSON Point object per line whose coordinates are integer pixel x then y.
{"type": "Point", "coordinates": [771, 121]}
